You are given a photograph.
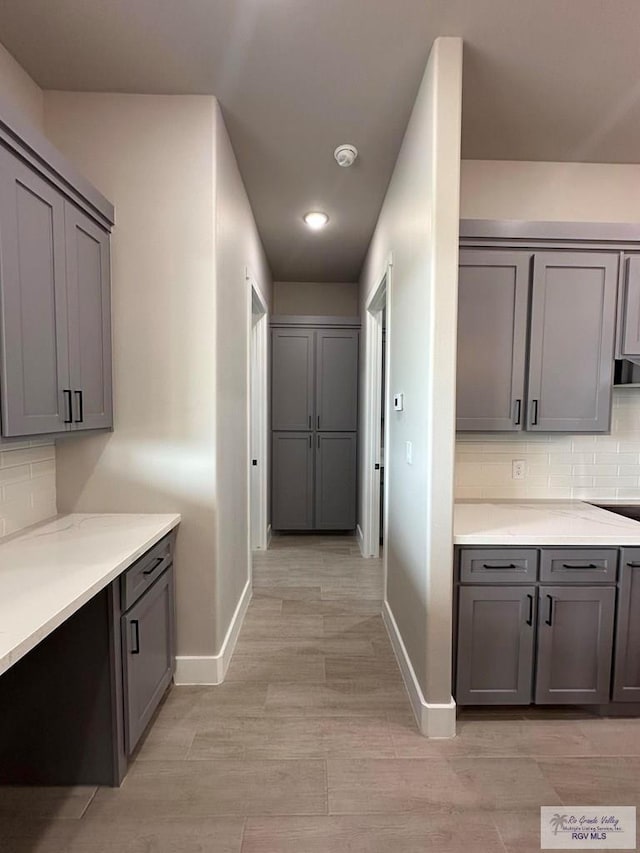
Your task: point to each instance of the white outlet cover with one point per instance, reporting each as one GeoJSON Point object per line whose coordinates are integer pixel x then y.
{"type": "Point", "coordinates": [518, 469]}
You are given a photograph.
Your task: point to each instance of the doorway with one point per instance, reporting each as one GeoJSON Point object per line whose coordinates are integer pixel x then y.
{"type": "Point", "coordinates": [258, 420]}
{"type": "Point", "coordinates": [375, 478]}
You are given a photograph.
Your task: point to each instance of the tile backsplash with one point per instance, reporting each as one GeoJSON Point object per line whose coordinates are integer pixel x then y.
{"type": "Point", "coordinates": [557, 466]}
{"type": "Point", "coordinates": [27, 484]}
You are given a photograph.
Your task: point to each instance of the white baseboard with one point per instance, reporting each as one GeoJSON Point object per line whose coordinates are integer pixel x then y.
{"type": "Point", "coordinates": [434, 720]}
{"type": "Point", "coordinates": [360, 538]}
{"type": "Point", "coordinates": [212, 669]}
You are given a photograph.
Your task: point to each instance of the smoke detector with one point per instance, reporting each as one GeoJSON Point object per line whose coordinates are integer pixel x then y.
{"type": "Point", "coordinates": [345, 155]}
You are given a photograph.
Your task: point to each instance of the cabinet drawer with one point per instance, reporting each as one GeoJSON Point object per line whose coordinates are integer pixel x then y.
{"type": "Point", "coordinates": [575, 565]}
{"type": "Point", "coordinates": [145, 571]}
{"type": "Point", "coordinates": [498, 565]}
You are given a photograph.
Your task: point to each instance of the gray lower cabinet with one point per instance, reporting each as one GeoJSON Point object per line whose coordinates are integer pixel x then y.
{"type": "Point", "coordinates": [496, 636]}
{"type": "Point", "coordinates": [626, 681]}
{"type": "Point", "coordinates": [148, 657]}
{"type": "Point", "coordinates": [493, 306]}
{"type": "Point", "coordinates": [573, 313]}
{"type": "Point", "coordinates": [292, 463]}
{"type": "Point", "coordinates": [335, 481]}
{"type": "Point", "coordinates": [575, 644]}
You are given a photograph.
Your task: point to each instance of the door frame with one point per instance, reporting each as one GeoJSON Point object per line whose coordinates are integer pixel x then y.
{"type": "Point", "coordinates": [378, 302]}
{"type": "Point", "coordinates": [257, 416]}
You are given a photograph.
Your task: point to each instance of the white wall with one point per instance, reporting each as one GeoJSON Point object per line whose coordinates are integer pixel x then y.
{"type": "Point", "coordinates": [329, 299]}
{"type": "Point", "coordinates": [27, 468]}
{"type": "Point", "coordinates": [419, 225]}
{"type": "Point", "coordinates": [561, 466]}
{"type": "Point", "coordinates": [153, 157]}
{"type": "Point", "coordinates": [238, 247]}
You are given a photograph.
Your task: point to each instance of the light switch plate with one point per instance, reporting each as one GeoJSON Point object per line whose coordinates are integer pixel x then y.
{"type": "Point", "coordinates": [398, 402]}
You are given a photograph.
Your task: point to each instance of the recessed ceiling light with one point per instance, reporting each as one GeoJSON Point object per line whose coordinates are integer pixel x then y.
{"type": "Point", "coordinates": [316, 220]}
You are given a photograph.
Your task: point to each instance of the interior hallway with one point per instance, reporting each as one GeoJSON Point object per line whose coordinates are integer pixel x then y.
{"type": "Point", "coordinates": [310, 746]}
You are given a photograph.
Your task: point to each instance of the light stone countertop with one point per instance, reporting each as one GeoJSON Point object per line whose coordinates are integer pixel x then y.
{"type": "Point", "coordinates": [540, 523]}
{"type": "Point", "coordinates": [50, 571]}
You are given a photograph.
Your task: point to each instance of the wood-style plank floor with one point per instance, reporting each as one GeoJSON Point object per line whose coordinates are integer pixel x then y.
{"type": "Point", "coordinates": [310, 746]}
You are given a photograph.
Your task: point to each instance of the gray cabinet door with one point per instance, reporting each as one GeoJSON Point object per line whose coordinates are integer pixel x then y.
{"type": "Point", "coordinates": [88, 284]}
{"type": "Point", "coordinates": [292, 380]}
{"type": "Point", "coordinates": [337, 380]}
{"type": "Point", "coordinates": [631, 307]}
{"type": "Point", "coordinates": [626, 680]}
{"type": "Point", "coordinates": [35, 368]}
{"type": "Point", "coordinates": [573, 313]}
{"type": "Point", "coordinates": [147, 647]}
{"type": "Point", "coordinates": [575, 644]}
{"type": "Point", "coordinates": [493, 290]}
{"type": "Point", "coordinates": [336, 472]}
{"type": "Point", "coordinates": [292, 481]}
{"type": "Point", "coordinates": [495, 645]}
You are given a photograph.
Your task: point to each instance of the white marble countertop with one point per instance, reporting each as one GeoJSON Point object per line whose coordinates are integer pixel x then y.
{"type": "Point", "coordinates": [540, 523]}
{"type": "Point", "coordinates": [50, 571]}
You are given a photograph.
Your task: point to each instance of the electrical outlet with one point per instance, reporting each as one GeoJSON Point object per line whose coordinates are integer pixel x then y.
{"type": "Point", "coordinates": [518, 469]}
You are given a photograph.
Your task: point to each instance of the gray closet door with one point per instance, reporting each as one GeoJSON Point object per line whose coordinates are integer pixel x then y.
{"type": "Point", "coordinates": [631, 307]}
{"type": "Point", "coordinates": [495, 645]}
{"type": "Point", "coordinates": [493, 290]}
{"type": "Point", "coordinates": [575, 644]}
{"type": "Point", "coordinates": [292, 481]}
{"type": "Point", "coordinates": [292, 380]}
{"type": "Point", "coordinates": [573, 319]}
{"type": "Point", "coordinates": [35, 369]}
{"type": "Point", "coordinates": [337, 380]}
{"type": "Point", "coordinates": [336, 472]}
{"type": "Point", "coordinates": [147, 644]}
{"type": "Point", "coordinates": [626, 681]}
{"type": "Point", "coordinates": [88, 277]}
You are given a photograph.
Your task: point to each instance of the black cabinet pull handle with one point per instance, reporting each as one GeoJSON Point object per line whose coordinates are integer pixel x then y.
{"type": "Point", "coordinates": [79, 419]}
{"type": "Point", "coordinates": [530, 616]}
{"type": "Point", "coordinates": [489, 566]}
{"type": "Point", "coordinates": [155, 565]}
{"type": "Point", "coordinates": [634, 565]}
{"type": "Point", "coordinates": [518, 412]}
{"type": "Point", "coordinates": [318, 442]}
{"type": "Point", "coordinates": [585, 566]}
{"type": "Point", "coordinates": [69, 404]}
{"type": "Point", "coordinates": [318, 421]}
{"type": "Point", "coordinates": [309, 421]}
{"type": "Point", "coordinates": [534, 412]}
{"type": "Point", "coordinates": [549, 619]}
{"type": "Point", "coordinates": [135, 637]}
{"type": "Point", "coordinates": [309, 442]}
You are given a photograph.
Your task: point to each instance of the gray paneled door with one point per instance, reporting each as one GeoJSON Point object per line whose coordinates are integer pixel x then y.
{"type": "Point", "coordinates": [626, 682]}
{"type": "Point", "coordinates": [88, 277]}
{"type": "Point", "coordinates": [495, 645]}
{"type": "Point", "coordinates": [631, 307]}
{"type": "Point", "coordinates": [35, 368]}
{"type": "Point", "coordinates": [573, 317]}
{"type": "Point", "coordinates": [493, 289]}
{"type": "Point", "coordinates": [335, 503]}
{"type": "Point", "coordinates": [337, 380]}
{"type": "Point", "coordinates": [575, 644]}
{"type": "Point", "coordinates": [292, 481]}
{"type": "Point", "coordinates": [292, 384]}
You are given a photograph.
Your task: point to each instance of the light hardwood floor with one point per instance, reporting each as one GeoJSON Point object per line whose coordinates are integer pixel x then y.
{"type": "Point", "coordinates": [310, 746]}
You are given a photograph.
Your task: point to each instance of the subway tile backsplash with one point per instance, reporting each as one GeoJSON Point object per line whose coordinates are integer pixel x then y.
{"type": "Point", "coordinates": [27, 484]}
{"type": "Point", "coordinates": [557, 466]}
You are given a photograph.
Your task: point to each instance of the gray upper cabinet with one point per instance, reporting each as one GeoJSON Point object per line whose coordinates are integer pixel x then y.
{"type": "Point", "coordinates": [575, 644]}
{"type": "Point", "coordinates": [493, 289]}
{"type": "Point", "coordinates": [496, 636]}
{"type": "Point", "coordinates": [335, 505]}
{"type": "Point", "coordinates": [292, 481]}
{"type": "Point", "coordinates": [88, 276]}
{"type": "Point", "coordinates": [572, 341]}
{"type": "Point", "coordinates": [35, 358]}
{"type": "Point", "coordinates": [337, 380]}
{"type": "Point", "coordinates": [292, 391]}
{"type": "Point", "coordinates": [630, 338]}
{"type": "Point", "coordinates": [626, 681]}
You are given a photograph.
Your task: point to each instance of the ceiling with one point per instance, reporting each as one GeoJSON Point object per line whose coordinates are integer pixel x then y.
{"type": "Point", "coordinates": [543, 80]}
